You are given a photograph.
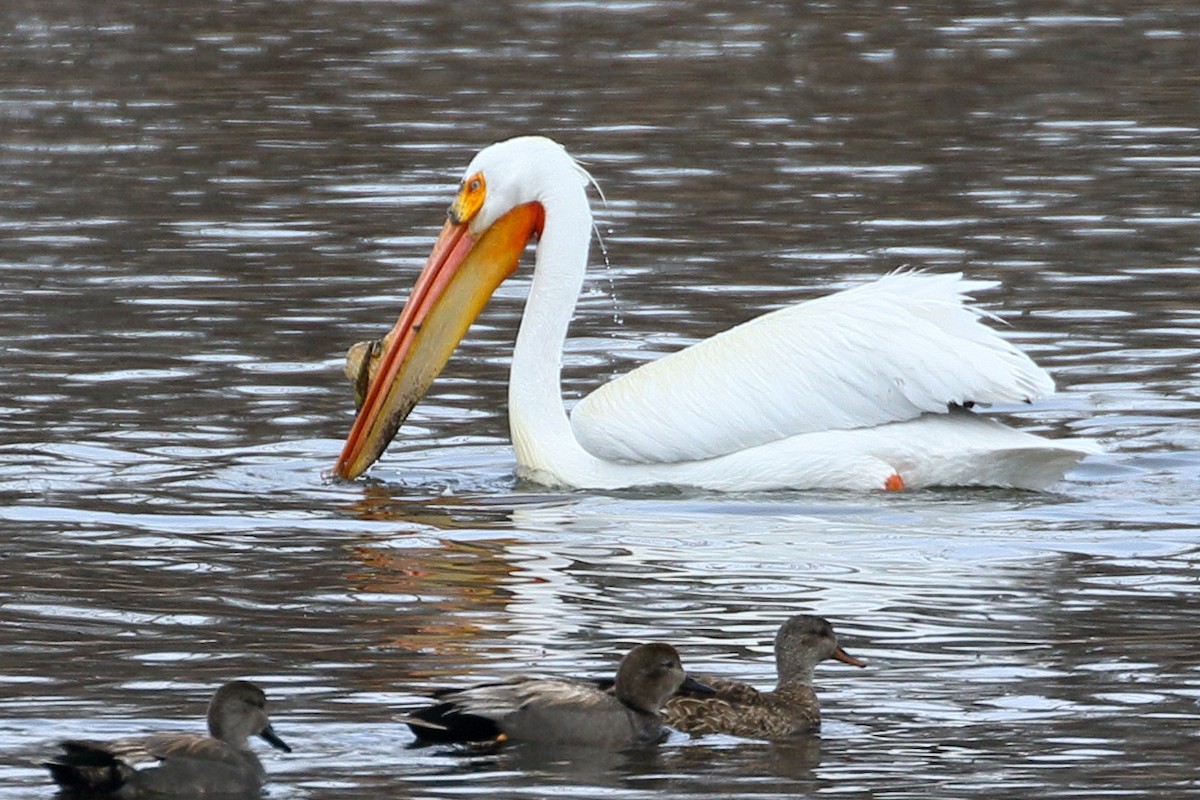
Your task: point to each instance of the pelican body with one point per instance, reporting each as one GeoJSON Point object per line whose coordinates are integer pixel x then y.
{"type": "Point", "coordinates": [868, 388]}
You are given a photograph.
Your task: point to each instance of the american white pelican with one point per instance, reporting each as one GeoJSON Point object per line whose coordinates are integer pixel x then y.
{"type": "Point", "coordinates": [867, 388]}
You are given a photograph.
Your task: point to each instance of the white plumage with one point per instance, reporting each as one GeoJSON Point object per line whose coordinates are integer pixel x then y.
{"type": "Point", "coordinates": [887, 351]}
{"type": "Point", "coordinates": [861, 389]}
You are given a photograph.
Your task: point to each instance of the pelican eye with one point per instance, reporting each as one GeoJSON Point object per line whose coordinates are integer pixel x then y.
{"type": "Point", "coordinates": [469, 199]}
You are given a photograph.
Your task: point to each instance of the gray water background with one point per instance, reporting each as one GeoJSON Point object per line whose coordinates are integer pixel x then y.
{"type": "Point", "coordinates": [204, 203]}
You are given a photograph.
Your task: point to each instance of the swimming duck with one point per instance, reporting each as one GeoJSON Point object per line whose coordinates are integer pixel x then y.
{"type": "Point", "coordinates": [562, 711]}
{"type": "Point", "coordinates": [791, 708]}
{"type": "Point", "coordinates": [178, 764]}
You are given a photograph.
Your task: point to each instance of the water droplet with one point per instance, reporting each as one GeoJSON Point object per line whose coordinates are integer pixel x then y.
{"type": "Point", "coordinates": [617, 317]}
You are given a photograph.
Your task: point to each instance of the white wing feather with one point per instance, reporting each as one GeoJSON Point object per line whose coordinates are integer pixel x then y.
{"type": "Point", "coordinates": [891, 350]}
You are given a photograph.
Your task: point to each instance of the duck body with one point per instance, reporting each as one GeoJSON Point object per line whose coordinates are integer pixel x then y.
{"type": "Point", "coordinates": [791, 709]}
{"type": "Point", "coordinates": [176, 764]}
{"type": "Point", "coordinates": [738, 709]}
{"type": "Point", "coordinates": [866, 388]}
{"type": "Point", "coordinates": [157, 765]}
{"type": "Point", "coordinates": [558, 711]}
{"type": "Point", "coordinates": [552, 711]}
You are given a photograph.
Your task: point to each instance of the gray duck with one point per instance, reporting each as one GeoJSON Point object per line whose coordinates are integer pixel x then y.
{"type": "Point", "coordinates": [176, 764]}
{"type": "Point", "coordinates": [562, 711]}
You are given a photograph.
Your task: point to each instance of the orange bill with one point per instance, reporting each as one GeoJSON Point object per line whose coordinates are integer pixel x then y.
{"type": "Point", "coordinates": [458, 280]}
{"type": "Point", "coordinates": [844, 657]}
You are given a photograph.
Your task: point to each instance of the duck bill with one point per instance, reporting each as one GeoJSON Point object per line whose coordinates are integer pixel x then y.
{"type": "Point", "coordinates": [844, 657]}
{"type": "Point", "coordinates": [268, 735]}
{"type": "Point", "coordinates": [692, 686]}
{"type": "Point", "coordinates": [458, 280]}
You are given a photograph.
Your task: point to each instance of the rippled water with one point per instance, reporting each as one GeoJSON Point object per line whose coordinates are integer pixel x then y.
{"type": "Point", "coordinates": [204, 203]}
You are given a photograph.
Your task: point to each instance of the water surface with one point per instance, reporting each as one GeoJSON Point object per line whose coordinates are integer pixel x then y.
{"type": "Point", "coordinates": [204, 204]}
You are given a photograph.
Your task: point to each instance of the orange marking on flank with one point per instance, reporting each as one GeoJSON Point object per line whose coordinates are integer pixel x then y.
{"type": "Point", "coordinates": [894, 483]}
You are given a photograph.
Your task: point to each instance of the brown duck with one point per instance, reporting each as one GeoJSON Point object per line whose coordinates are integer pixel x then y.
{"type": "Point", "coordinates": [561, 711]}
{"type": "Point", "coordinates": [790, 709]}
{"type": "Point", "coordinates": [176, 764]}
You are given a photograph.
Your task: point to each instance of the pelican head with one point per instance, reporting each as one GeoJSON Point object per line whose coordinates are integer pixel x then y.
{"type": "Point", "coordinates": [499, 208]}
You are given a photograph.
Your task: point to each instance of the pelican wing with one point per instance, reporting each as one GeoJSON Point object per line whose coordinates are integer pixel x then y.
{"type": "Point", "coordinates": [905, 345]}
